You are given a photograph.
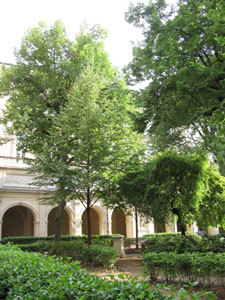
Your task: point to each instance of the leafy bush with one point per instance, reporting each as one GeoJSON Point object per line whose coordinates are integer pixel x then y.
{"type": "Point", "coordinates": [170, 243]}
{"type": "Point", "coordinates": [29, 276]}
{"type": "Point", "coordinates": [181, 244]}
{"type": "Point", "coordinates": [188, 266]}
{"type": "Point", "coordinates": [96, 255]}
{"type": "Point", "coordinates": [212, 243]}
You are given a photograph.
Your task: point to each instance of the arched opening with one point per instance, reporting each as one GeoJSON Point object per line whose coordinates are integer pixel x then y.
{"type": "Point", "coordinates": [52, 219]}
{"type": "Point", "coordinates": [119, 223]}
{"type": "Point", "coordinates": [159, 227]}
{"type": "Point", "coordinates": [18, 221]}
{"type": "Point", "coordinates": [94, 222]}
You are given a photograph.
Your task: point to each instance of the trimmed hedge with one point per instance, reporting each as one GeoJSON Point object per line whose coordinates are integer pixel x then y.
{"type": "Point", "coordinates": [96, 239]}
{"type": "Point", "coordinates": [182, 244]}
{"type": "Point", "coordinates": [185, 267]}
{"type": "Point", "coordinates": [95, 255]}
{"type": "Point", "coordinates": [32, 276]}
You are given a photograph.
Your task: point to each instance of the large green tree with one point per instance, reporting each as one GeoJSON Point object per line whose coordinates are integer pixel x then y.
{"type": "Point", "coordinates": [68, 107]}
{"type": "Point", "coordinates": [182, 60]}
{"type": "Point", "coordinates": [185, 186]}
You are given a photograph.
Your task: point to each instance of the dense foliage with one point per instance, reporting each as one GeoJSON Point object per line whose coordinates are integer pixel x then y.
{"type": "Point", "coordinates": [181, 244]}
{"type": "Point", "coordinates": [174, 187]}
{"type": "Point", "coordinates": [196, 267]}
{"type": "Point", "coordinates": [181, 59]}
{"type": "Point", "coordinates": [186, 186]}
{"type": "Point", "coordinates": [94, 255]}
{"type": "Point", "coordinates": [33, 276]}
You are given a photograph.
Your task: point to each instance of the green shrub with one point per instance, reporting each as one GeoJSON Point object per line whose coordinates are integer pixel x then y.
{"type": "Point", "coordinates": [96, 239]}
{"type": "Point", "coordinates": [32, 276]}
{"type": "Point", "coordinates": [188, 266]}
{"type": "Point", "coordinates": [180, 244]}
{"type": "Point", "coordinates": [212, 243]}
{"type": "Point", "coordinates": [170, 243]}
{"type": "Point", "coordinates": [32, 239]}
{"type": "Point", "coordinates": [96, 255]}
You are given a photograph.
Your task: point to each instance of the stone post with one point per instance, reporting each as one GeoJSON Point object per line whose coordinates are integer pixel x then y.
{"type": "Point", "coordinates": [118, 243]}
{"type": "Point", "coordinates": [1, 222]}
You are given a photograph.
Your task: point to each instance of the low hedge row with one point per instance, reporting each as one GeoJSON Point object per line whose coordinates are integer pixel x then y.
{"type": "Point", "coordinates": [182, 244]}
{"type": "Point", "coordinates": [185, 267]}
{"type": "Point", "coordinates": [95, 255]}
{"type": "Point", "coordinates": [97, 239]}
{"type": "Point", "coordinates": [32, 276]}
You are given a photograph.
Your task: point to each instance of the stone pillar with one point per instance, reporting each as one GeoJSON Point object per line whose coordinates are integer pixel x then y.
{"type": "Point", "coordinates": [1, 222]}
{"type": "Point", "coordinates": [73, 228]}
{"type": "Point", "coordinates": [129, 226]}
{"type": "Point", "coordinates": [36, 228]}
{"type": "Point", "coordinates": [43, 220]}
{"type": "Point", "coordinates": [118, 243]}
{"type": "Point", "coordinates": [110, 227]}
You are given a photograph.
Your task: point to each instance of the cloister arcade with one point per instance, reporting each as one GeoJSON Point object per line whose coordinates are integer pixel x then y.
{"type": "Point", "coordinates": [31, 218]}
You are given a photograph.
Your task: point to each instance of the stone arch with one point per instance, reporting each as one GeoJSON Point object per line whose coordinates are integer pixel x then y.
{"type": "Point", "coordinates": [119, 223]}
{"type": "Point", "coordinates": [66, 228]}
{"type": "Point", "coordinates": [18, 220]}
{"type": "Point", "coordinates": [19, 203]}
{"type": "Point", "coordinates": [96, 221]}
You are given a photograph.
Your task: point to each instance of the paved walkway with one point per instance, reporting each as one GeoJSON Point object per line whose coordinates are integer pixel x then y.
{"type": "Point", "coordinates": [131, 263]}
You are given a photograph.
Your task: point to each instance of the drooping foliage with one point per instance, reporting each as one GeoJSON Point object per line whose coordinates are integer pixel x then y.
{"type": "Point", "coordinates": [171, 187]}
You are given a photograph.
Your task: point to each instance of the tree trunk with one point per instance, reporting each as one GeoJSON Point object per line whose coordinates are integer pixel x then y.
{"type": "Point", "coordinates": [183, 229]}
{"type": "Point", "coordinates": [88, 218]}
{"type": "Point", "coordinates": [59, 218]}
{"type": "Point", "coordinates": [176, 212]}
{"type": "Point", "coordinates": [136, 226]}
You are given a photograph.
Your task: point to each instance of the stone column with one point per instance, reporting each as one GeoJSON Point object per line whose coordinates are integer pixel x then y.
{"type": "Point", "coordinates": [1, 222]}
{"type": "Point", "coordinates": [110, 227]}
{"type": "Point", "coordinates": [73, 228]}
{"type": "Point", "coordinates": [118, 243]}
{"type": "Point", "coordinates": [129, 227]}
{"type": "Point", "coordinates": [36, 228]}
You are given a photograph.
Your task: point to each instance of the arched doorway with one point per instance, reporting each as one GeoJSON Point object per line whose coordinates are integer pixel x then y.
{"type": "Point", "coordinates": [119, 223]}
{"type": "Point", "coordinates": [94, 222]}
{"type": "Point", "coordinates": [51, 222]}
{"type": "Point", "coordinates": [18, 221]}
{"type": "Point", "coordinates": [159, 227]}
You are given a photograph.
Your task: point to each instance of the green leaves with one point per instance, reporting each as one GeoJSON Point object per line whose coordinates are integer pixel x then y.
{"type": "Point", "coordinates": [182, 58]}
{"type": "Point", "coordinates": [70, 109]}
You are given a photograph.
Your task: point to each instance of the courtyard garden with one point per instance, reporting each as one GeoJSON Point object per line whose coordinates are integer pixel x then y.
{"type": "Point", "coordinates": [171, 266]}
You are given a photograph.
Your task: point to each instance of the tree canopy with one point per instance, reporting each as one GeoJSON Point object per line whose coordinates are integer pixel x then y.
{"type": "Point", "coordinates": [69, 108]}
{"type": "Point", "coordinates": [182, 60]}
{"type": "Point", "coordinates": [173, 186]}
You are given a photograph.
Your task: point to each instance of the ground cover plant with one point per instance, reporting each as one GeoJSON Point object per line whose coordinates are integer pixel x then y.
{"type": "Point", "coordinates": [33, 276]}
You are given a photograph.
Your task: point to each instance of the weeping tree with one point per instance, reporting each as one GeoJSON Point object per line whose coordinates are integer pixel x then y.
{"type": "Point", "coordinates": [68, 107]}
{"type": "Point", "coordinates": [183, 186]}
